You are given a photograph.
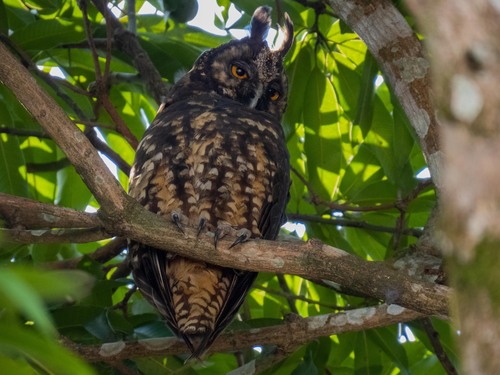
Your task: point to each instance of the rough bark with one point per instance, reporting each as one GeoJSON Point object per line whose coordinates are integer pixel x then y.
{"type": "Point", "coordinates": [401, 58]}
{"type": "Point", "coordinates": [287, 336]}
{"type": "Point", "coordinates": [462, 37]}
{"type": "Point", "coordinates": [311, 259]}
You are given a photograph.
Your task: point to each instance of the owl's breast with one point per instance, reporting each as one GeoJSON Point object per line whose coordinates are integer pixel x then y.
{"type": "Point", "coordinates": [216, 160]}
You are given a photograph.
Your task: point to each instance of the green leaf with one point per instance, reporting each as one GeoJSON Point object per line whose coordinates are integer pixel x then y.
{"type": "Point", "coordinates": [71, 190]}
{"type": "Point", "coordinates": [386, 340]}
{"type": "Point", "coordinates": [47, 34]}
{"type": "Point", "coordinates": [43, 353]}
{"type": "Point", "coordinates": [4, 21]}
{"type": "Point", "coordinates": [18, 15]}
{"type": "Point", "coordinates": [322, 135]}
{"type": "Point", "coordinates": [364, 111]}
{"type": "Point", "coordinates": [16, 292]}
{"type": "Point", "coordinates": [26, 289]}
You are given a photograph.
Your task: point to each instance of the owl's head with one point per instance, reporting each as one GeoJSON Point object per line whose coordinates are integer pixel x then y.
{"type": "Point", "coordinates": [246, 70]}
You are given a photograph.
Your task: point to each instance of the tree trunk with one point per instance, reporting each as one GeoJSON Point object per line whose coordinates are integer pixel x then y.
{"type": "Point", "coordinates": [462, 37]}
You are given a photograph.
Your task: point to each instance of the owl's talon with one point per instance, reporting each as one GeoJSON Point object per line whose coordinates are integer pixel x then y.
{"type": "Point", "coordinates": [176, 218]}
{"type": "Point", "coordinates": [243, 236]}
{"type": "Point", "coordinates": [201, 225]}
{"type": "Point", "coordinates": [222, 230]}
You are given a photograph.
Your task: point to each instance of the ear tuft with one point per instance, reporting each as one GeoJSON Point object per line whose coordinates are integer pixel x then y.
{"type": "Point", "coordinates": [261, 21]}
{"type": "Point", "coordinates": [288, 39]}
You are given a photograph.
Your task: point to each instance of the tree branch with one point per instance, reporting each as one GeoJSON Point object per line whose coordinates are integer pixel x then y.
{"type": "Point", "coordinates": [128, 43]}
{"type": "Point", "coordinates": [61, 129]}
{"type": "Point", "coordinates": [287, 336]}
{"type": "Point", "coordinates": [102, 255]}
{"type": "Point", "coordinates": [433, 336]}
{"type": "Point", "coordinates": [353, 224]}
{"type": "Point", "coordinates": [53, 235]}
{"type": "Point", "coordinates": [312, 259]}
{"type": "Point", "coordinates": [400, 56]}
{"type": "Point", "coordinates": [29, 214]}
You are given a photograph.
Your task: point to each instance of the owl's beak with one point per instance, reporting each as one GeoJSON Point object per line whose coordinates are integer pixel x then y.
{"type": "Point", "coordinates": [258, 93]}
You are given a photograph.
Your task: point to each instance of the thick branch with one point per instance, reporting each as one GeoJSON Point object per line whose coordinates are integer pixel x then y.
{"type": "Point", "coordinates": [61, 129]}
{"type": "Point", "coordinates": [29, 214]}
{"type": "Point", "coordinates": [287, 336]}
{"type": "Point", "coordinates": [53, 236]}
{"type": "Point", "coordinates": [400, 56]}
{"type": "Point", "coordinates": [312, 259]}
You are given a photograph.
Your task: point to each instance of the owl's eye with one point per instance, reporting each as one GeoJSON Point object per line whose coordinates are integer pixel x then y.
{"type": "Point", "coordinates": [273, 94]}
{"type": "Point", "coordinates": [239, 72]}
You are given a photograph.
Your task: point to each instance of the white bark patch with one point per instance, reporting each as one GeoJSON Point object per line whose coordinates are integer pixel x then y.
{"type": "Point", "coordinates": [111, 348]}
{"type": "Point", "coordinates": [393, 309]}
{"type": "Point", "coordinates": [317, 322]}
{"type": "Point", "coordinates": [98, 179]}
{"type": "Point", "coordinates": [357, 317]}
{"type": "Point", "coordinates": [158, 343]}
{"type": "Point", "coordinates": [435, 162]}
{"type": "Point", "coordinates": [495, 4]}
{"type": "Point", "coordinates": [412, 68]}
{"type": "Point", "coordinates": [253, 253]}
{"type": "Point", "coordinates": [421, 122]}
{"type": "Point", "coordinates": [466, 99]}
{"type": "Point", "coordinates": [278, 262]}
{"type": "Point", "coordinates": [49, 218]}
{"type": "Point", "coordinates": [339, 320]}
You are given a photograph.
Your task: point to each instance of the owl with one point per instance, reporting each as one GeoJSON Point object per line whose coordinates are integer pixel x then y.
{"type": "Point", "coordinates": [214, 159]}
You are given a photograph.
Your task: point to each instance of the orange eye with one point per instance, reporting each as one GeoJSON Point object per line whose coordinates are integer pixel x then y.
{"type": "Point", "coordinates": [239, 72]}
{"type": "Point", "coordinates": [273, 94]}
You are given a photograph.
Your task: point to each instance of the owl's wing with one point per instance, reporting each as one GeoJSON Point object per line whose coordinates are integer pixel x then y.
{"type": "Point", "coordinates": [151, 279]}
{"type": "Point", "coordinates": [273, 214]}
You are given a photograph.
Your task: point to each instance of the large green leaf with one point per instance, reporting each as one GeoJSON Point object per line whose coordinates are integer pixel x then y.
{"type": "Point", "coordinates": [43, 353]}
{"type": "Point", "coordinates": [322, 135]}
{"type": "Point", "coordinates": [47, 34]}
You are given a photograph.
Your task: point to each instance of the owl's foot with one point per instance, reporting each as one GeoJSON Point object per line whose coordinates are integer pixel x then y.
{"type": "Point", "coordinates": [223, 230]}
{"type": "Point", "coordinates": [178, 220]}
{"type": "Point", "coordinates": [201, 225]}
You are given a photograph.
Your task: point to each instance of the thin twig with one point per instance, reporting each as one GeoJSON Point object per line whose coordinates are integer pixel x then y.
{"type": "Point", "coordinates": [353, 224]}
{"type": "Point", "coordinates": [89, 132]}
{"type": "Point", "coordinates": [48, 167]}
{"type": "Point", "coordinates": [316, 200]}
{"type": "Point", "coordinates": [123, 304]}
{"type": "Point", "coordinates": [433, 336]}
{"type": "Point", "coordinates": [129, 44]}
{"type": "Point", "coordinates": [101, 84]}
{"type": "Point", "coordinates": [24, 133]}
{"type": "Point", "coordinates": [287, 294]}
{"type": "Point", "coordinates": [102, 255]}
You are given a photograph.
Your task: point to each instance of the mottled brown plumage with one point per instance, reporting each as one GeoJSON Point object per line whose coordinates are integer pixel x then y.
{"type": "Point", "coordinates": [214, 159]}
